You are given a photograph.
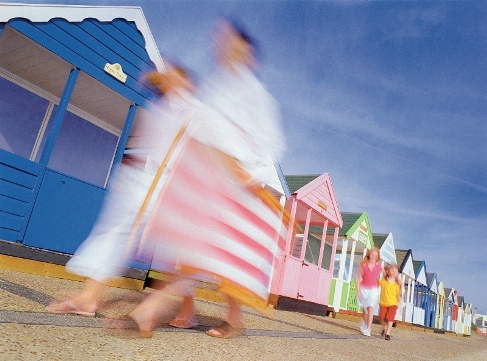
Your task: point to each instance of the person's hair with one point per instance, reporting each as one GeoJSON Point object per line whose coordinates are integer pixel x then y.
{"type": "Point", "coordinates": [389, 267]}
{"type": "Point", "coordinates": [243, 34]}
{"type": "Point", "coordinates": [367, 255]}
{"type": "Point", "coordinates": [154, 77]}
{"type": "Point", "coordinates": [182, 71]}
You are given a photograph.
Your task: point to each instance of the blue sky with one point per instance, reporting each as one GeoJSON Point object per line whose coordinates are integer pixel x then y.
{"type": "Point", "coordinates": [389, 97]}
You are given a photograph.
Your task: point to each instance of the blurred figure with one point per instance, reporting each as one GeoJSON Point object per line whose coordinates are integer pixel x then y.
{"type": "Point", "coordinates": [213, 218]}
{"type": "Point", "coordinates": [368, 290]}
{"type": "Point", "coordinates": [106, 251]}
{"type": "Point", "coordinates": [238, 96]}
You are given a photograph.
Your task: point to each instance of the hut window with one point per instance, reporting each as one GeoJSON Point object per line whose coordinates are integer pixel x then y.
{"type": "Point", "coordinates": [336, 266]}
{"type": "Point", "coordinates": [327, 251]}
{"type": "Point", "coordinates": [83, 150]}
{"type": "Point", "coordinates": [313, 246]}
{"type": "Point", "coordinates": [21, 117]}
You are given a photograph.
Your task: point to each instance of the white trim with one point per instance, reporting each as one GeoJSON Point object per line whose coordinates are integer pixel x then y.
{"type": "Point", "coordinates": [50, 97]}
{"type": "Point", "coordinates": [78, 13]}
{"type": "Point", "coordinates": [42, 130]}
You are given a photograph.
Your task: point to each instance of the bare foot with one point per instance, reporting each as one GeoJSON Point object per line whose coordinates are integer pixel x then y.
{"type": "Point", "coordinates": [183, 322]}
{"type": "Point", "coordinates": [129, 325]}
{"type": "Point", "coordinates": [69, 307]}
{"type": "Point", "coordinates": [225, 330]}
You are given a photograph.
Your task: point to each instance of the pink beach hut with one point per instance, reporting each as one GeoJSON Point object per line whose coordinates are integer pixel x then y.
{"type": "Point", "coordinates": [303, 269]}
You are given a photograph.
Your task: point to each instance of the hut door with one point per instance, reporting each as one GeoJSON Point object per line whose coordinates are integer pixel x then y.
{"type": "Point", "coordinates": [308, 281]}
{"type": "Point", "coordinates": [310, 270]}
{"type": "Point", "coordinates": [72, 187]}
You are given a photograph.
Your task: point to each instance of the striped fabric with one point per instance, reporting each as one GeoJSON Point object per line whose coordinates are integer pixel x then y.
{"type": "Point", "coordinates": [208, 222]}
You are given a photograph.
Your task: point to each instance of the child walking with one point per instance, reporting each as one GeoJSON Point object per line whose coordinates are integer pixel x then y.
{"type": "Point", "coordinates": [390, 296]}
{"type": "Point", "coordinates": [368, 287]}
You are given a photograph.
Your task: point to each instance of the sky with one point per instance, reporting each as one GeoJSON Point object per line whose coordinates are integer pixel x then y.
{"type": "Point", "coordinates": [388, 97]}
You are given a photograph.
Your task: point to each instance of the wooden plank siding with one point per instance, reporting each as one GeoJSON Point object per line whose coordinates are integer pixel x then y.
{"type": "Point", "coordinates": [89, 52]}
{"type": "Point", "coordinates": [314, 191]}
{"type": "Point", "coordinates": [16, 189]}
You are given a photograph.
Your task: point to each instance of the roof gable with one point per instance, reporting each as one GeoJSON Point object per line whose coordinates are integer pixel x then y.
{"type": "Point", "coordinates": [385, 243]}
{"type": "Point", "coordinates": [282, 179]}
{"type": "Point", "coordinates": [405, 261]}
{"type": "Point", "coordinates": [44, 13]}
{"type": "Point", "coordinates": [449, 293]}
{"type": "Point", "coordinates": [441, 289]}
{"type": "Point", "coordinates": [316, 192]}
{"type": "Point", "coordinates": [357, 227]}
{"type": "Point", "coordinates": [454, 296]}
{"type": "Point", "coordinates": [420, 271]}
{"type": "Point", "coordinates": [432, 283]}
{"type": "Point", "coordinates": [296, 182]}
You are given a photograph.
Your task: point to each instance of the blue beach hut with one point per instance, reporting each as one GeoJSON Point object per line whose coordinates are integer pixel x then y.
{"type": "Point", "coordinates": [69, 79]}
{"type": "Point", "coordinates": [421, 296]}
{"type": "Point", "coordinates": [431, 311]}
{"type": "Point", "coordinates": [406, 268]}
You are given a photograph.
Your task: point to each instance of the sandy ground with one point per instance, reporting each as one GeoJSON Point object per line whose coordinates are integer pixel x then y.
{"type": "Point", "coordinates": [30, 333]}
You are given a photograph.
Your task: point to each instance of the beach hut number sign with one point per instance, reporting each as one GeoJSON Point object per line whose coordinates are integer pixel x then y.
{"type": "Point", "coordinates": [116, 71]}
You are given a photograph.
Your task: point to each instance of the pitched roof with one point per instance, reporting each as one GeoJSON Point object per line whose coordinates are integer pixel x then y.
{"type": "Point", "coordinates": [316, 192]}
{"type": "Point", "coordinates": [402, 257]}
{"type": "Point", "coordinates": [379, 239]}
{"type": "Point", "coordinates": [295, 182]}
{"type": "Point", "coordinates": [349, 220]}
{"type": "Point", "coordinates": [430, 277]}
{"type": "Point", "coordinates": [72, 13]}
{"type": "Point", "coordinates": [282, 178]}
{"type": "Point", "coordinates": [416, 265]}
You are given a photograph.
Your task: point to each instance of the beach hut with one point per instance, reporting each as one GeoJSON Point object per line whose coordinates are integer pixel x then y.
{"type": "Point", "coordinates": [459, 329]}
{"type": "Point", "coordinates": [467, 319]}
{"type": "Point", "coordinates": [408, 276]}
{"type": "Point", "coordinates": [421, 295]}
{"type": "Point", "coordinates": [448, 323]}
{"type": "Point", "coordinates": [71, 90]}
{"type": "Point", "coordinates": [431, 307]}
{"type": "Point", "coordinates": [454, 314]}
{"type": "Point", "coordinates": [303, 269]}
{"type": "Point", "coordinates": [480, 321]}
{"type": "Point", "coordinates": [354, 238]}
{"type": "Point", "coordinates": [440, 306]}
{"type": "Point", "coordinates": [385, 244]}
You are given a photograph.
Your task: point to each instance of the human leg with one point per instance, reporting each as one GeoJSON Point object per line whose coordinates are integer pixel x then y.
{"type": "Point", "coordinates": [370, 317]}
{"type": "Point", "coordinates": [234, 324]}
{"type": "Point", "coordinates": [156, 305]}
{"type": "Point", "coordinates": [389, 327]}
{"type": "Point", "coordinates": [186, 317]}
{"type": "Point", "coordinates": [85, 303]}
{"type": "Point", "coordinates": [390, 316]}
{"type": "Point", "coordinates": [383, 321]}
